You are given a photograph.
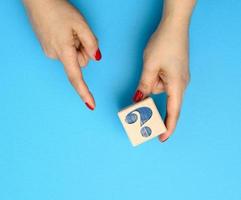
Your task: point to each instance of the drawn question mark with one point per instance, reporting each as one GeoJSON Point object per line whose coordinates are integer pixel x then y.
{"type": "Point", "coordinates": [145, 115]}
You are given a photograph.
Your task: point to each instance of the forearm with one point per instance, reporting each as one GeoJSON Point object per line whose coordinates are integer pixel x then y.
{"type": "Point", "coordinates": [30, 2]}
{"type": "Point", "coordinates": [33, 5]}
{"type": "Point", "coordinates": [166, 63]}
{"type": "Point", "coordinates": [178, 12]}
{"type": "Point", "coordinates": [39, 4]}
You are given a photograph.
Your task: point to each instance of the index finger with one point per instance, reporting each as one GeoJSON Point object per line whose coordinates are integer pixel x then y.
{"type": "Point", "coordinates": [70, 60]}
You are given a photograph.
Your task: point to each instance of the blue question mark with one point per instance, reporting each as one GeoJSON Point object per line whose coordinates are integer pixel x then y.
{"type": "Point", "coordinates": [145, 115]}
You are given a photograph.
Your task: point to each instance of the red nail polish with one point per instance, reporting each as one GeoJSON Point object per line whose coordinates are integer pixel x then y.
{"type": "Point", "coordinates": [89, 106]}
{"type": "Point", "coordinates": [98, 55]}
{"type": "Point", "coordinates": [138, 96]}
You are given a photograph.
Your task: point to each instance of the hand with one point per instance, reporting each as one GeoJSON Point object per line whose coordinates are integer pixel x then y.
{"type": "Point", "coordinates": [166, 70]}
{"type": "Point", "coordinates": [65, 35]}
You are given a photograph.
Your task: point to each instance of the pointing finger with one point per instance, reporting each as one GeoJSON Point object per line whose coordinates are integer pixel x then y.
{"type": "Point", "coordinates": [69, 58]}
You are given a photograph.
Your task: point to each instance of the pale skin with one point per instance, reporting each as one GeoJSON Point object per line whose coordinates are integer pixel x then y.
{"type": "Point", "coordinates": [65, 35]}
{"type": "Point", "coordinates": [166, 66]}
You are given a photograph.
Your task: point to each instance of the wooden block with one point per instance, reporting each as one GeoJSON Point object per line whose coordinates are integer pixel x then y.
{"type": "Point", "coordinates": [142, 121]}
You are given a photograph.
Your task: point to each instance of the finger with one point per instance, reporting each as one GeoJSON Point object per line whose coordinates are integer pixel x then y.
{"type": "Point", "coordinates": [69, 58]}
{"type": "Point", "coordinates": [174, 101]}
{"type": "Point", "coordinates": [77, 43]}
{"type": "Point", "coordinates": [158, 87]}
{"type": "Point", "coordinates": [86, 57]}
{"type": "Point", "coordinates": [88, 41]}
{"type": "Point", "coordinates": [148, 79]}
{"type": "Point", "coordinates": [82, 58]}
{"type": "Point", "coordinates": [50, 52]}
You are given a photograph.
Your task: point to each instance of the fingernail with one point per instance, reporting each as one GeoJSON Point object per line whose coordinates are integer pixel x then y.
{"type": "Point", "coordinates": [89, 106]}
{"type": "Point", "coordinates": [98, 55]}
{"type": "Point", "coordinates": [138, 96]}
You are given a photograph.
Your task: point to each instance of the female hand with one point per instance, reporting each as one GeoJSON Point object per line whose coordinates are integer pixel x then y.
{"type": "Point", "coordinates": [166, 69]}
{"type": "Point", "coordinates": [65, 35]}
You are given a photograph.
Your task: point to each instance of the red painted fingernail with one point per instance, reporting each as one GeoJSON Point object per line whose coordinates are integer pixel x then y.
{"type": "Point", "coordinates": [138, 96]}
{"type": "Point", "coordinates": [89, 106]}
{"type": "Point", "coordinates": [98, 55]}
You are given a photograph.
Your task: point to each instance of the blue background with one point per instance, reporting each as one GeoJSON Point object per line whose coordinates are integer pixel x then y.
{"type": "Point", "coordinates": [53, 148]}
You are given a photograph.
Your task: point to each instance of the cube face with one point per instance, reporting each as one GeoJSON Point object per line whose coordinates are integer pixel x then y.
{"type": "Point", "coordinates": [142, 121]}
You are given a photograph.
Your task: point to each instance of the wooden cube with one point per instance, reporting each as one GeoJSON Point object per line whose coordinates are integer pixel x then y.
{"type": "Point", "coordinates": [142, 121]}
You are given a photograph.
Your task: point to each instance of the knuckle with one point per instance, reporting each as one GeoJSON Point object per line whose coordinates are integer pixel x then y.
{"type": "Point", "coordinates": [150, 68]}
{"type": "Point", "coordinates": [66, 53]}
{"type": "Point", "coordinates": [50, 53]}
{"type": "Point", "coordinates": [144, 85]}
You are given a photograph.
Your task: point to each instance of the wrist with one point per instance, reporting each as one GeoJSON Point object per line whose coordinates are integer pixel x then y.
{"type": "Point", "coordinates": [178, 12]}
{"type": "Point", "coordinates": [174, 26]}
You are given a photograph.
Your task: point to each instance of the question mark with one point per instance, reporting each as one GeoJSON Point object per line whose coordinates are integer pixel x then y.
{"type": "Point", "coordinates": [145, 115]}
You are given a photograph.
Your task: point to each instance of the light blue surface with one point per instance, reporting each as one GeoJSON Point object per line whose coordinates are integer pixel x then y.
{"type": "Point", "coordinates": [53, 148]}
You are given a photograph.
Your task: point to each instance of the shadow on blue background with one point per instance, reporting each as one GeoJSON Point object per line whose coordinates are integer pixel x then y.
{"type": "Point", "coordinates": [52, 147]}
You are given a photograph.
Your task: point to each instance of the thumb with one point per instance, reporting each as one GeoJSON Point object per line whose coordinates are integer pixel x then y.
{"type": "Point", "coordinates": [148, 79]}
{"type": "Point", "coordinates": [89, 42]}
{"type": "Point", "coordinates": [174, 102]}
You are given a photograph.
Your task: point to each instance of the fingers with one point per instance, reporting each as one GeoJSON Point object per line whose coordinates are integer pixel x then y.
{"type": "Point", "coordinates": [158, 87]}
{"type": "Point", "coordinates": [83, 58]}
{"type": "Point", "coordinates": [69, 58]}
{"type": "Point", "coordinates": [148, 79]}
{"type": "Point", "coordinates": [174, 101]}
{"type": "Point", "coordinates": [88, 41]}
